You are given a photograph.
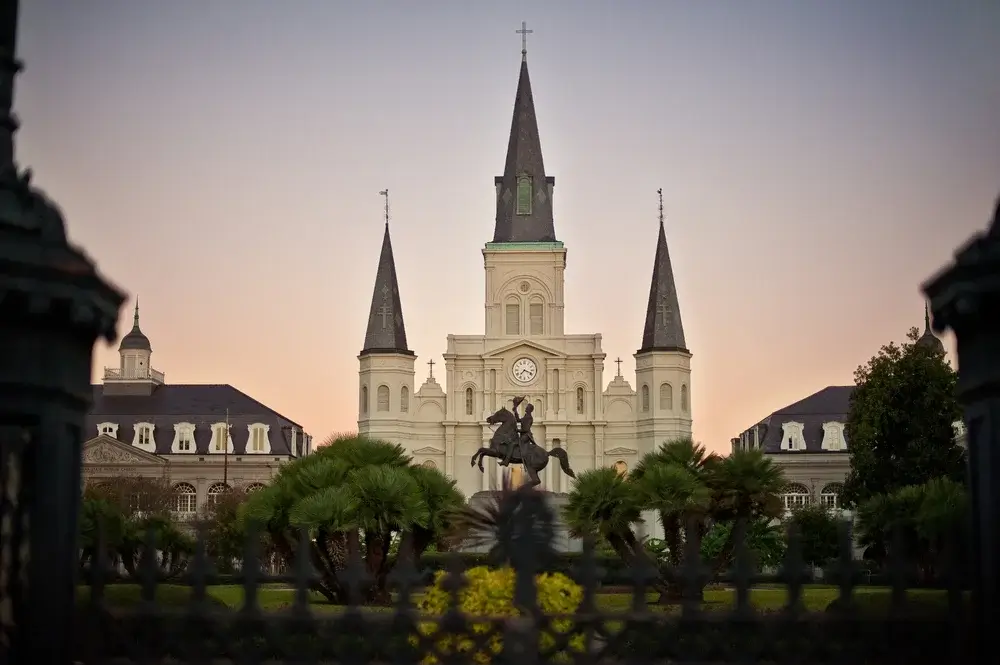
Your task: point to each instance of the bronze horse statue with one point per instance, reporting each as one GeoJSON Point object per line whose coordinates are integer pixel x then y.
{"type": "Point", "coordinates": [533, 458]}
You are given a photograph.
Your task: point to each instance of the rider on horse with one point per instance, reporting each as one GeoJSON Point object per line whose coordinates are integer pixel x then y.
{"type": "Point", "coordinates": [525, 437]}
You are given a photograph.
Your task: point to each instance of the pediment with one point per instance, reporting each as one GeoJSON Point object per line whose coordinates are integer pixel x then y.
{"type": "Point", "coordinates": [621, 450]}
{"type": "Point", "coordinates": [106, 450]}
{"type": "Point", "coordinates": [525, 344]}
{"type": "Point", "coordinates": [428, 450]}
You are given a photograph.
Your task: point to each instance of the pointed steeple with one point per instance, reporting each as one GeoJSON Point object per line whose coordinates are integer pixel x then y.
{"type": "Point", "coordinates": [386, 332]}
{"type": "Point", "coordinates": [663, 330]}
{"type": "Point", "coordinates": [929, 339]}
{"type": "Point", "coordinates": [135, 339]}
{"type": "Point", "coordinates": [524, 192]}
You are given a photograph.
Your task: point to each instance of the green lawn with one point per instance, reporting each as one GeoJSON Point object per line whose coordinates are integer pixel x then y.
{"type": "Point", "coordinates": [815, 598]}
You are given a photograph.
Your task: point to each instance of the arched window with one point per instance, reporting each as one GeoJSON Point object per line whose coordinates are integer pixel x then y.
{"type": "Point", "coordinates": [512, 316]}
{"type": "Point", "coordinates": [430, 464]}
{"type": "Point", "coordinates": [468, 401]}
{"type": "Point", "coordinates": [666, 397]}
{"type": "Point", "coordinates": [645, 397]}
{"type": "Point", "coordinates": [382, 395]}
{"type": "Point", "coordinates": [621, 468]}
{"type": "Point", "coordinates": [364, 399]}
{"type": "Point", "coordinates": [829, 498]}
{"type": "Point", "coordinates": [524, 195]}
{"type": "Point", "coordinates": [216, 491]}
{"type": "Point", "coordinates": [404, 399]}
{"type": "Point", "coordinates": [796, 496]}
{"type": "Point", "coordinates": [580, 404]}
{"type": "Point", "coordinates": [186, 498]}
{"type": "Point", "coordinates": [536, 317]}
{"type": "Point", "coordinates": [253, 487]}
{"type": "Point", "coordinates": [684, 398]}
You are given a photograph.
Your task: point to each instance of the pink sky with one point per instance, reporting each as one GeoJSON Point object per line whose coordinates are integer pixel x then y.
{"type": "Point", "coordinates": [223, 161]}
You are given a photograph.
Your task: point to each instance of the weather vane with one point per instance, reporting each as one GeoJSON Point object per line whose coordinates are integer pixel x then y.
{"type": "Point", "coordinates": [524, 32]}
{"type": "Point", "coordinates": [385, 193]}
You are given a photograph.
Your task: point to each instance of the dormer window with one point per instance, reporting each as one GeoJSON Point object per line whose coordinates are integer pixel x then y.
{"type": "Point", "coordinates": [833, 436]}
{"type": "Point", "coordinates": [108, 429]}
{"type": "Point", "coordinates": [258, 441]}
{"type": "Point", "coordinates": [183, 438]}
{"type": "Point", "coordinates": [791, 436]}
{"type": "Point", "coordinates": [222, 440]}
{"type": "Point", "coordinates": [144, 437]}
{"type": "Point", "coordinates": [523, 195]}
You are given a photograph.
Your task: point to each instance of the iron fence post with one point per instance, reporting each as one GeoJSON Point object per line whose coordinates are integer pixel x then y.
{"type": "Point", "coordinates": [53, 307]}
{"type": "Point", "coordinates": [965, 297]}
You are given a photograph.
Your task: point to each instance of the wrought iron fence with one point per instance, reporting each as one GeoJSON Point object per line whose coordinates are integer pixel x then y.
{"type": "Point", "coordinates": [898, 630]}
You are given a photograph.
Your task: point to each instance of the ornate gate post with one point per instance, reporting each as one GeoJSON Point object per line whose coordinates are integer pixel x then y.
{"type": "Point", "coordinates": [53, 307]}
{"type": "Point", "coordinates": [966, 298]}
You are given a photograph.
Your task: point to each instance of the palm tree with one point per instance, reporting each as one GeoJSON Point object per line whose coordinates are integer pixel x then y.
{"type": "Point", "coordinates": [604, 504]}
{"type": "Point", "coordinates": [672, 480]}
{"type": "Point", "coordinates": [353, 490]}
{"type": "Point", "coordinates": [746, 485]}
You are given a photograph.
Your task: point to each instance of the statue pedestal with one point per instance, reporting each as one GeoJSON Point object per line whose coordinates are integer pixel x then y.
{"type": "Point", "coordinates": [563, 541]}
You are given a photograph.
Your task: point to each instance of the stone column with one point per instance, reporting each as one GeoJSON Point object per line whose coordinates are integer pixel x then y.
{"type": "Point", "coordinates": [965, 297]}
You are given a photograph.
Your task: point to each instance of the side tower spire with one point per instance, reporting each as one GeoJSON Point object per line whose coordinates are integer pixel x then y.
{"type": "Point", "coordinates": [385, 364]}
{"type": "Point", "coordinates": [663, 330]}
{"type": "Point", "coordinates": [386, 332]}
{"type": "Point", "coordinates": [524, 192]}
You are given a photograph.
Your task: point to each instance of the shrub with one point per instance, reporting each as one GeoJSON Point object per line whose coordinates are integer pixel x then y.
{"type": "Point", "coordinates": [490, 594]}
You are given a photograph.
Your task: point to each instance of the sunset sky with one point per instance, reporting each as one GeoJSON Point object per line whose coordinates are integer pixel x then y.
{"type": "Point", "coordinates": [223, 159]}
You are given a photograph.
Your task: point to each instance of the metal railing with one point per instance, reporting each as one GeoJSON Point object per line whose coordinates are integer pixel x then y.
{"type": "Point", "coordinates": [118, 374]}
{"type": "Point", "coordinates": [852, 628]}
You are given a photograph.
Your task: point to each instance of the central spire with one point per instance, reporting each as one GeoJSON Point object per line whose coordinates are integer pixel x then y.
{"type": "Point", "coordinates": [524, 192]}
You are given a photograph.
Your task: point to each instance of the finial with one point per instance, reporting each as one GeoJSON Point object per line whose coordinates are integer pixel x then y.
{"type": "Point", "coordinates": [9, 67]}
{"type": "Point", "coordinates": [135, 317]}
{"type": "Point", "coordinates": [524, 32]}
{"type": "Point", "coordinates": [385, 193]}
{"type": "Point", "coordinates": [659, 193]}
{"type": "Point", "coordinates": [927, 318]}
{"type": "Point", "coordinates": [619, 363]}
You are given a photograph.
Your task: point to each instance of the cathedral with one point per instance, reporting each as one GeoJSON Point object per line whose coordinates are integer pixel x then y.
{"type": "Point", "coordinates": [524, 348]}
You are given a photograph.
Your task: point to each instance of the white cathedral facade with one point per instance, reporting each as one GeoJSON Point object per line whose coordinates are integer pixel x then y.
{"type": "Point", "coordinates": [524, 349]}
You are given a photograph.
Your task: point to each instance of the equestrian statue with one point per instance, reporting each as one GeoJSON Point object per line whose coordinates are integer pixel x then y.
{"type": "Point", "coordinates": [513, 442]}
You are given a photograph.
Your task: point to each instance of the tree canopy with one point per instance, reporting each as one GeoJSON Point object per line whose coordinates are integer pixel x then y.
{"type": "Point", "coordinates": [900, 424]}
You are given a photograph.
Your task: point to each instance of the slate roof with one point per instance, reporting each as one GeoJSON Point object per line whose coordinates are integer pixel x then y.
{"type": "Point", "coordinates": [663, 330]}
{"type": "Point", "coordinates": [386, 332]}
{"type": "Point", "coordinates": [829, 404]}
{"type": "Point", "coordinates": [524, 157]}
{"type": "Point", "coordinates": [202, 405]}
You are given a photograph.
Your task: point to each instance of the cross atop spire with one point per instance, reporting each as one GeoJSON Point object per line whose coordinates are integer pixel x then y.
{"type": "Point", "coordinates": [385, 193]}
{"type": "Point", "coordinates": [524, 32]}
{"type": "Point", "coordinates": [135, 317]}
{"type": "Point", "coordinates": [659, 193]}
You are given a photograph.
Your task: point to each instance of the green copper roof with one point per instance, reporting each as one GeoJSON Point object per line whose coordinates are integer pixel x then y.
{"type": "Point", "coordinates": [523, 246]}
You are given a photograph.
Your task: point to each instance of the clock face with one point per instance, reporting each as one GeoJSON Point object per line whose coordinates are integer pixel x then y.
{"type": "Point", "coordinates": [524, 370]}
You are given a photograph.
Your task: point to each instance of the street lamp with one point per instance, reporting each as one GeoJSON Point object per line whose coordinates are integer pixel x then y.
{"type": "Point", "coordinates": [965, 297]}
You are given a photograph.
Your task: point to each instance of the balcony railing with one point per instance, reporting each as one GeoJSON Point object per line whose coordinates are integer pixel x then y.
{"type": "Point", "coordinates": [117, 374]}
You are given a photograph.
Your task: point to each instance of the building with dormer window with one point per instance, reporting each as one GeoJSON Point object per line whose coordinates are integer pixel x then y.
{"type": "Point", "coordinates": [202, 438]}
{"type": "Point", "coordinates": [807, 439]}
{"type": "Point", "coordinates": [524, 348]}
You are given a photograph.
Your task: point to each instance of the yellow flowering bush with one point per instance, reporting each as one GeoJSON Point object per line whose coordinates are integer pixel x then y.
{"type": "Point", "coordinates": [489, 593]}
